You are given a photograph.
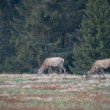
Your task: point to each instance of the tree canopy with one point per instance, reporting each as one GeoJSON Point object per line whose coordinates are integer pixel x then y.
{"type": "Point", "coordinates": [94, 43]}
{"type": "Point", "coordinates": [32, 30]}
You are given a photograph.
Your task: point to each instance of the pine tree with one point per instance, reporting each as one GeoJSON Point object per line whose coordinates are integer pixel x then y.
{"type": "Point", "coordinates": [42, 29]}
{"type": "Point", "coordinates": [34, 38]}
{"type": "Point", "coordinates": [5, 46]}
{"type": "Point", "coordinates": [41, 36]}
{"type": "Point", "coordinates": [95, 28]}
{"type": "Point", "coordinates": [20, 39]}
{"type": "Point", "coordinates": [11, 64]}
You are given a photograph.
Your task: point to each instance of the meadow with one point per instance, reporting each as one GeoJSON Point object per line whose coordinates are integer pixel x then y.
{"type": "Point", "coordinates": [54, 92]}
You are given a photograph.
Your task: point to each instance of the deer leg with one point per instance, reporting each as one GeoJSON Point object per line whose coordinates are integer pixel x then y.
{"type": "Point", "coordinates": [99, 71]}
{"type": "Point", "coordinates": [64, 70]}
{"type": "Point", "coordinates": [102, 72]}
{"type": "Point", "coordinates": [61, 66]}
{"type": "Point", "coordinates": [40, 72]}
{"type": "Point", "coordinates": [49, 70]}
{"type": "Point", "coordinates": [60, 70]}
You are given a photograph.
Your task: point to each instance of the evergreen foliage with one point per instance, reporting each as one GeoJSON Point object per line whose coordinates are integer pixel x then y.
{"type": "Point", "coordinates": [5, 47]}
{"type": "Point", "coordinates": [41, 31]}
{"type": "Point", "coordinates": [32, 30]}
{"type": "Point", "coordinates": [94, 44]}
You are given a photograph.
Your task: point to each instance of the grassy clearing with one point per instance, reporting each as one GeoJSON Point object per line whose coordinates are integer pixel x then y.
{"type": "Point", "coordinates": [26, 92]}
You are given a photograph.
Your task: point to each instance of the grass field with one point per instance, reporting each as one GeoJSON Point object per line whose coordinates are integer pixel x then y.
{"type": "Point", "coordinates": [53, 92]}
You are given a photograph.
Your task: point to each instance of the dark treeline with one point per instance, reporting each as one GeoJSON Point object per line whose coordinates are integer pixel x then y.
{"type": "Point", "coordinates": [32, 30]}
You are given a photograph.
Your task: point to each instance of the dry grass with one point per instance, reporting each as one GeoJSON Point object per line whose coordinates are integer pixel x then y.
{"type": "Point", "coordinates": [53, 92]}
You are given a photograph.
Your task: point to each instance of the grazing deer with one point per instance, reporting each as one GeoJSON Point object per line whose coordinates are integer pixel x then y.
{"type": "Point", "coordinates": [52, 62]}
{"type": "Point", "coordinates": [98, 66]}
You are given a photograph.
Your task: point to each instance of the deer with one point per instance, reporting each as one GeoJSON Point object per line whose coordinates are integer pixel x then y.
{"type": "Point", "coordinates": [48, 63]}
{"type": "Point", "coordinates": [98, 66]}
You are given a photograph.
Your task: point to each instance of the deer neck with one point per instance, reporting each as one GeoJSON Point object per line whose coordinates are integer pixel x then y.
{"type": "Point", "coordinates": [93, 69]}
{"type": "Point", "coordinates": [42, 67]}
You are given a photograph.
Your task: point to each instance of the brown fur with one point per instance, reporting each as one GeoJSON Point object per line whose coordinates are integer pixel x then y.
{"type": "Point", "coordinates": [99, 66]}
{"type": "Point", "coordinates": [52, 62]}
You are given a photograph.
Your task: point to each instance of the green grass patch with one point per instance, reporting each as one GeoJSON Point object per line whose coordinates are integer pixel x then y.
{"type": "Point", "coordinates": [36, 91]}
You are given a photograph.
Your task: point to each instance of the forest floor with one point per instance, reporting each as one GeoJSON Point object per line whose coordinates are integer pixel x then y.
{"type": "Point", "coordinates": [54, 92]}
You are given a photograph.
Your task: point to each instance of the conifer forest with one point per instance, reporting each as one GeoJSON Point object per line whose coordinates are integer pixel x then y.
{"type": "Point", "coordinates": [32, 30]}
